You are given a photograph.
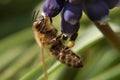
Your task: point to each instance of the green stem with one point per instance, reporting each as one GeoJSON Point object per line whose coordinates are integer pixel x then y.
{"type": "Point", "coordinates": [109, 34]}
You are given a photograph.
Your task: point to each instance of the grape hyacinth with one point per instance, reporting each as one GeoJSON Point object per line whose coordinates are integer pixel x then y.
{"type": "Point", "coordinates": [71, 15]}
{"type": "Point", "coordinates": [53, 7]}
{"type": "Point", "coordinates": [112, 3]}
{"type": "Point", "coordinates": [71, 10]}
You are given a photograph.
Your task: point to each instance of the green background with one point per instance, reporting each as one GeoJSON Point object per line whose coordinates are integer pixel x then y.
{"type": "Point", "coordinates": [20, 55]}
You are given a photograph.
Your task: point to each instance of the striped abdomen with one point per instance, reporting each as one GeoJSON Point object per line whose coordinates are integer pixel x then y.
{"type": "Point", "coordinates": [66, 56]}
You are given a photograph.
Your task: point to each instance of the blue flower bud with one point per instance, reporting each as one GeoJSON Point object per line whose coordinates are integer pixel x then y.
{"type": "Point", "coordinates": [53, 7]}
{"type": "Point", "coordinates": [74, 2]}
{"type": "Point", "coordinates": [112, 3]}
{"type": "Point", "coordinates": [72, 13]}
{"type": "Point", "coordinates": [96, 10]}
{"type": "Point", "coordinates": [68, 28]}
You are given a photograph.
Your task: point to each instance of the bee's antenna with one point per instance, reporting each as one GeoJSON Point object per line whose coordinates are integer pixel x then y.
{"type": "Point", "coordinates": [35, 15]}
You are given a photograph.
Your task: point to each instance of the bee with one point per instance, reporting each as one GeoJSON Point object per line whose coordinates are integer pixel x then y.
{"type": "Point", "coordinates": [46, 36]}
{"type": "Point", "coordinates": [44, 30]}
{"type": "Point", "coordinates": [65, 55]}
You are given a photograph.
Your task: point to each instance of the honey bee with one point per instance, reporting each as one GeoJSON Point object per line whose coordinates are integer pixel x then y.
{"type": "Point", "coordinates": [46, 36]}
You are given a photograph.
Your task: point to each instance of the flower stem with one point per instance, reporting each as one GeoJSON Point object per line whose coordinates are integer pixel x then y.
{"type": "Point", "coordinates": [109, 34]}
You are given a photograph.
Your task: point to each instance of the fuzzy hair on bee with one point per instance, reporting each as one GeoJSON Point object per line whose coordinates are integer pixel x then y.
{"type": "Point", "coordinates": [44, 31]}
{"type": "Point", "coordinates": [46, 36]}
{"type": "Point", "coordinates": [65, 55]}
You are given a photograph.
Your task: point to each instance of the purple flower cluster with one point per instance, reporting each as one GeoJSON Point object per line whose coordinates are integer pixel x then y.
{"type": "Point", "coordinates": [71, 11]}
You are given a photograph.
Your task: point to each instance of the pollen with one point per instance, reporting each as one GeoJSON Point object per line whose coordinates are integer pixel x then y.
{"type": "Point", "coordinates": [71, 44]}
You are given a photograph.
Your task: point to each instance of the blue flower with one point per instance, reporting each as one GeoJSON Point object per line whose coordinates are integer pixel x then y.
{"type": "Point", "coordinates": [95, 10]}
{"type": "Point", "coordinates": [71, 15]}
{"type": "Point", "coordinates": [112, 3]}
{"type": "Point", "coordinates": [71, 11]}
{"type": "Point", "coordinates": [53, 7]}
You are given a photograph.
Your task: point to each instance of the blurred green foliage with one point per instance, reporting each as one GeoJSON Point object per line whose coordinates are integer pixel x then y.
{"type": "Point", "coordinates": [19, 53]}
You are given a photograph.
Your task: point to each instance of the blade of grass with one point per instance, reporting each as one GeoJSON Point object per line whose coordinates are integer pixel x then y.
{"type": "Point", "coordinates": [108, 74]}
{"type": "Point", "coordinates": [33, 73]}
{"type": "Point", "coordinates": [92, 35]}
{"type": "Point", "coordinates": [19, 38]}
{"type": "Point", "coordinates": [51, 70]}
{"type": "Point", "coordinates": [97, 63]}
{"type": "Point", "coordinates": [21, 62]}
{"type": "Point", "coordinates": [36, 72]}
{"type": "Point", "coordinates": [10, 56]}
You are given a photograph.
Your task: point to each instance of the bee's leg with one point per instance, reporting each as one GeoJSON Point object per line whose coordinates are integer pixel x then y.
{"type": "Point", "coordinates": [43, 29]}
{"type": "Point", "coordinates": [40, 25]}
{"type": "Point", "coordinates": [71, 43]}
{"type": "Point", "coordinates": [51, 35]}
{"type": "Point", "coordinates": [65, 48]}
{"type": "Point", "coordinates": [64, 37]}
{"type": "Point", "coordinates": [61, 36]}
{"type": "Point", "coordinates": [56, 38]}
{"type": "Point", "coordinates": [51, 20]}
{"type": "Point", "coordinates": [56, 47]}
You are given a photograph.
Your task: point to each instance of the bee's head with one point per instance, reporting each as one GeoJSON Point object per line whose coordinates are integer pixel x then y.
{"type": "Point", "coordinates": [39, 23]}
